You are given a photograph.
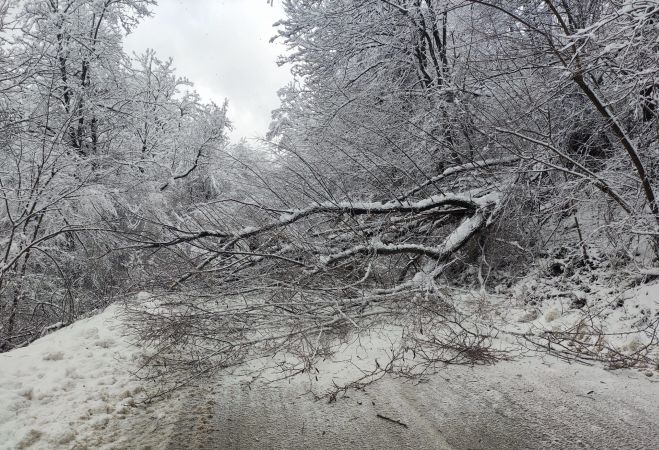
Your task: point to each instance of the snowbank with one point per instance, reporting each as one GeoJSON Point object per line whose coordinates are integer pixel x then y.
{"type": "Point", "coordinates": [622, 318]}
{"type": "Point", "coordinates": [73, 389]}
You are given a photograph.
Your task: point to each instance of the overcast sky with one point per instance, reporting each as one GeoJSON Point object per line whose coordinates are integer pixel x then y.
{"type": "Point", "coordinates": [223, 47]}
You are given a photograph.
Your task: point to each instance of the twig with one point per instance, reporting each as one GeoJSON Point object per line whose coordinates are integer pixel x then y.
{"type": "Point", "coordinates": [389, 419]}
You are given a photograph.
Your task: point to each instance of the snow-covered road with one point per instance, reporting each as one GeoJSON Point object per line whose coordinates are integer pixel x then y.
{"type": "Point", "coordinates": [522, 404]}
{"type": "Point", "coordinates": [75, 389]}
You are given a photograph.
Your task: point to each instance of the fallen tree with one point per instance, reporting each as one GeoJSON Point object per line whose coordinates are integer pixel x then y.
{"type": "Point", "coordinates": [360, 232]}
{"type": "Point", "coordinates": [302, 281]}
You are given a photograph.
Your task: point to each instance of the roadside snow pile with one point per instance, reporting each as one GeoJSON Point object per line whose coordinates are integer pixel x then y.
{"type": "Point", "coordinates": [588, 314]}
{"type": "Point", "coordinates": [73, 389]}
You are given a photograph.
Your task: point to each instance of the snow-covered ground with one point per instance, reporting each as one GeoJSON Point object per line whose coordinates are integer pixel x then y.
{"type": "Point", "coordinates": [611, 316]}
{"type": "Point", "coordinates": [527, 404]}
{"type": "Point", "coordinates": [75, 389]}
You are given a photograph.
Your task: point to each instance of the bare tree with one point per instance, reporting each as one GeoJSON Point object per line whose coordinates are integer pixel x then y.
{"type": "Point", "coordinates": [71, 155]}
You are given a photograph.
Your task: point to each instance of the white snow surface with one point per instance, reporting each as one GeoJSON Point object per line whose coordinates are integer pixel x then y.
{"type": "Point", "coordinates": [626, 315]}
{"type": "Point", "coordinates": [528, 403]}
{"type": "Point", "coordinates": [73, 389]}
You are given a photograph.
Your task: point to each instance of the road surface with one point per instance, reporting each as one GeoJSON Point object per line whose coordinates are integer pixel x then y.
{"type": "Point", "coordinates": [511, 405]}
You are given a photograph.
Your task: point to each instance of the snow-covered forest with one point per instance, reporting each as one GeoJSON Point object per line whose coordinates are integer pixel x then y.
{"type": "Point", "coordinates": [445, 182]}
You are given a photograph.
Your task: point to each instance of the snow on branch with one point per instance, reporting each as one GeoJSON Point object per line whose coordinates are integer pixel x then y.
{"type": "Point", "coordinates": [452, 243]}
{"type": "Point", "coordinates": [476, 211]}
{"type": "Point", "coordinates": [454, 170]}
{"type": "Point", "coordinates": [470, 201]}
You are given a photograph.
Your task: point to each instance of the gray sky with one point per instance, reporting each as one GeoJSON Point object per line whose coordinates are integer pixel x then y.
{"type": "Point", "coordinates": [223, 47]}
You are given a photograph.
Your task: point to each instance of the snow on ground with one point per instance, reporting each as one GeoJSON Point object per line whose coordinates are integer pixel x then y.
{"type": "Point", "coordinates": [535, 401]}
{"type": "Point", "coordinates": [613, 313]}
{"type": "Point", "coordinates": [530, 403]}
{"type": "Point", "coordinates": [73, 389]}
